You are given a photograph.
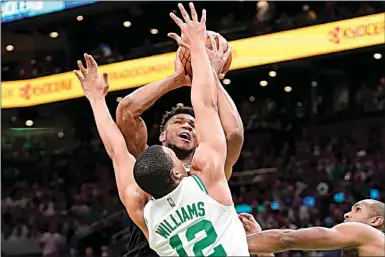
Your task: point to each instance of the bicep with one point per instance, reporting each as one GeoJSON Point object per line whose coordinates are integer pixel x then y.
{"type": "Point", "coordinates": [134, 130]}
{"type": "Point", "coordinates": [210, 155]}
{"type": "Point", "coordinates": [207, 164]}
{"type": "Point", "coordinates": [234, 147]}
{"type": "Point", "coordinates": [210, 133]}
{"type": "Point", "coordinates": [234, 142]}
{"type": "Point", "coordinates": [209, 167]}
{"type": "Point", "coordinates": [123, 163]}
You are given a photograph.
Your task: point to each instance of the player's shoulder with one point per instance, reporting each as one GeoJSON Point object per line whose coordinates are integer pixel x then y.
{"type": "Point", "coordinates": [195, 183]}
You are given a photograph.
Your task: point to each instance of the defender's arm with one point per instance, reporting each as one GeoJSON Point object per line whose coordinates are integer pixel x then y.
{"type": "Point", "coordinates": [316, 238]}
{"type": "Point", "coordinates": [232, 126]}
{"type": "Point", "coordinates": [132, 197]}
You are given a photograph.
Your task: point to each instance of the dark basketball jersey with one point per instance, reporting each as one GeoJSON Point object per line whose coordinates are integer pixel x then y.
{"type": "Point", "coordinates": [137, 244]}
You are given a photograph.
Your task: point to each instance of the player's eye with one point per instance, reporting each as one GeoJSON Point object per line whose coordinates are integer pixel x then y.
{"type": "Point", "coordinates": [358, 209]}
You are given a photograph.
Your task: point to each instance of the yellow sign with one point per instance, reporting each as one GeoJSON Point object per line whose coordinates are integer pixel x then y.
{"type": "Point", "coordinates": [249, 52]}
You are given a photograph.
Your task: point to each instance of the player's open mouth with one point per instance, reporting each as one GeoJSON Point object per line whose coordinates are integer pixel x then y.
{"type": "Point", "coordinates": [185, 136]}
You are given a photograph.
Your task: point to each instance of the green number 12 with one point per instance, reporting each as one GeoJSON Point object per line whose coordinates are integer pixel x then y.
{"type": "Point", "coordinates": [211, 236]}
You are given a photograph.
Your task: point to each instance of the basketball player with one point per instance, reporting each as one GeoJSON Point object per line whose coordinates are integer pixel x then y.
{"type": "Point", "coordinates": [192, 215]}
{"type": "Point", "coordinates": [95, 89]}
{"type": "Point", "coordinates": [180, 119]}
{"type": "Point", "coordinates": [177, 132]}
{"type": "Point", "coordinates": [361, 234]}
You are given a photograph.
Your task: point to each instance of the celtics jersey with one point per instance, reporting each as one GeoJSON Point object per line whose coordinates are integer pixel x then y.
{"type": "Point", "coordinates": [188, 222]}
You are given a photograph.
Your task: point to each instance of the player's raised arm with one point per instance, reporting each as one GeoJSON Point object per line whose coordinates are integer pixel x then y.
{"type": "Point", "coordinates": [210, 155]}
{"type": "Point", "coordinates": [133, 105]}
{"type": "Point", "coordinates": [345, 235]}
{"type": "Point", "coordinates": [95, 88]}
{"type": "Point", "coordinates": [228, 113]}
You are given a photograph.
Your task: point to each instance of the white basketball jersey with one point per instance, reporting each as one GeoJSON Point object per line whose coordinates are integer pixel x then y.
{"type": "Point", "coordinates": [188, 222]}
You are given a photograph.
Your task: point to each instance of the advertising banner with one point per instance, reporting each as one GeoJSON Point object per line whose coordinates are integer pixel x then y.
{"type": "Point", "coordinates": [249, 52]}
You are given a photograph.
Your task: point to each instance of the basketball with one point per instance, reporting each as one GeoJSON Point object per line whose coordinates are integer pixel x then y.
{"type": "Point", "coordinates": [185, 57]}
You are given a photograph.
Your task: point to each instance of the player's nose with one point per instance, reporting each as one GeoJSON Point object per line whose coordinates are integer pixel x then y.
{"type": "Point", "coordinates": [187, 126]}
{"type": "Point", "coordinates": [347, 215]}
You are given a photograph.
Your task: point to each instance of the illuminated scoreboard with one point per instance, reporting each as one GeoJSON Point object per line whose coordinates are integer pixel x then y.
{"type": "Point", "coordinates": [17, 10]}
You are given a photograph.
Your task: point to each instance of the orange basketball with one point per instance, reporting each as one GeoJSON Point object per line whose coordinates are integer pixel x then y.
{"type": "Point", "coordinates": [185, 57]}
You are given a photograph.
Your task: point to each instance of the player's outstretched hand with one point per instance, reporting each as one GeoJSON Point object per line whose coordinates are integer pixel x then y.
{"type": "Point", "coordinates": [94, 85]}
{"type": "Point", "coordinates": [250, 225]}
{"type": "Point", "coordinates": [217, 58]}
{"type": "Point", "coordinates": [193, 30]}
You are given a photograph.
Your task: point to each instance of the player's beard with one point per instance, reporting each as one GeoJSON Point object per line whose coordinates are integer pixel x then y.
{"type": "Point", "coordinates": [180, 152]}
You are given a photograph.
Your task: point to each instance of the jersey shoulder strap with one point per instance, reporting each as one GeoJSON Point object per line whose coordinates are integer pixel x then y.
{"type": "Point", "coordinates": [199, 183]}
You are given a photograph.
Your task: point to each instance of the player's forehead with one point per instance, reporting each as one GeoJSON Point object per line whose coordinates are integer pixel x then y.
{"type": "Point", "coordinates": [361, 204]}
{"type": "Point", "coordinates": [182, 117]}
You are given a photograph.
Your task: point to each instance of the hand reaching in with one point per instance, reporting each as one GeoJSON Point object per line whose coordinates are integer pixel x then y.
{"type": "Point", "coordinates": [182, 76]}
{"type": "Point", "coordinates": [250, 225]}
{"type": "Point", "coordinates": [217, 58]}
{"type": "Point", "coordinates": [194, 31]}
{"type": "Point", "coordinates": [94, 86]}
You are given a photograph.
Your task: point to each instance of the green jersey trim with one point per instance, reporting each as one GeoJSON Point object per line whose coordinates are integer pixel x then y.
{"type": "Point", "coordinates": [200, 183]}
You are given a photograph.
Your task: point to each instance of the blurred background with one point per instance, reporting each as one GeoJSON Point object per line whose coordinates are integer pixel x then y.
{"type": "Point", "coordinates": [314, 126]}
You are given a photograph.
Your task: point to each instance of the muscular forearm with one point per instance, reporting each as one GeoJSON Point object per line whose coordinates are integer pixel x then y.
{"type": "Point", "coordinates": [315, 238]}
{"type": "Point", "coordinates": [232, 126]}
{"type": "Point", "coordinates": [132, 106]}
{"type": "Point", "coordinates": [204, 92]}
{"type": "Point", "coordinates": [228, 112]}
{"type": "Point", "coordinates": [109, 132]}
{"type": "Point", "coordinates": [143, 98]}
{"type": "Point", "coordinates": [269, 241]}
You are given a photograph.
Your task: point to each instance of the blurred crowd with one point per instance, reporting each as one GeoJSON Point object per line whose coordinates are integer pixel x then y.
{"type": "Point", "coordinates": [50, 195]}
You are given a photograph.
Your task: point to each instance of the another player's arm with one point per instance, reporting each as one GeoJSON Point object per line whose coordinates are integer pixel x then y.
{"type": "Point", "coordinates": [232, 126]}
{"type": "Point", "coordinates": [317, 238]}
{"type": "Point", "coordinates": [113, 140]}
{"type": "Point", "coordinates": [123, 162]}
{"type": "Point", "coordinates": [133, 105]}
{"type": "Point", "coordinates": [210, 155]}
{"type": "Point", "coordinates": [251, 226]}
{"type": "Point", "coordinates": [228, 113]}
{"type": "Point", "coordinates": [132, 197]}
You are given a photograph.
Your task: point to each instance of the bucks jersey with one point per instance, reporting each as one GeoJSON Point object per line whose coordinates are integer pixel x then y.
{"type": "Point", "coordinates": [188, 222]}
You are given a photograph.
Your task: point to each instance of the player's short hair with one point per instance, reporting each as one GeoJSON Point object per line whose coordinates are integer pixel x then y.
{"type": "Point", "coordinates": [152, 172]}
{"type": "Point", "coordinates": [377, 208]}
{"type": "Point", "coordinates": [179, 109]}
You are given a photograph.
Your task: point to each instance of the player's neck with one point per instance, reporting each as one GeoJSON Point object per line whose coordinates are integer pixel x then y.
{"type": "Point", "coordinates": [187, 160]}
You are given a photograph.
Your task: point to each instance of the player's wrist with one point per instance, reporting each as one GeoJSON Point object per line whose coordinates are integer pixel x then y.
{"type": "Point", "coordinates": [198, 47]}
{"type": "Point", "coordinates": [180, 79]}
{"type": "Point", "coordinates": [97, 99]}
{"type": "Point", "coordinates": [176, 79]}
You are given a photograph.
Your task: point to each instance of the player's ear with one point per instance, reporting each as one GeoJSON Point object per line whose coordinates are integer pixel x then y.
{"type": "Point", "coordinates": [377, 221]}
{"type": "Point", "coordinates": [176, 174]}
{"type": "Point", "coordinates": [162, 137]}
